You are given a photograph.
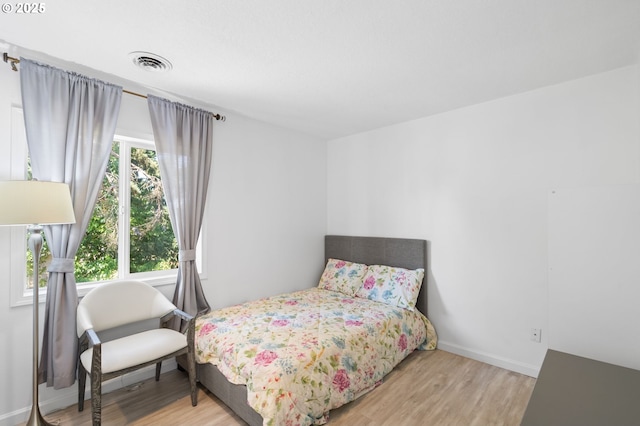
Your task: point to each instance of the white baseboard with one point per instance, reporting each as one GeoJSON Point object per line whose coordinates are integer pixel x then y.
{"type": "Point", "coordinates": [508, 364]}
{"type": "Point", "coordinates": [67, 397]}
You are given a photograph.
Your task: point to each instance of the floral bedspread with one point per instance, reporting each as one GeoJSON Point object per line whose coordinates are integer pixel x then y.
{"type": "Point", "coordinates": [301, 354]}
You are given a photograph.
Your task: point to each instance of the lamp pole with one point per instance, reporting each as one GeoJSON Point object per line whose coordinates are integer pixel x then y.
{"type": "Point", "coordinates": [35, 245]}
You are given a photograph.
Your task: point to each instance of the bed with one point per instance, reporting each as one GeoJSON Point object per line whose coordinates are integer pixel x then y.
{"type": "Point", "coordinates": [290, 359]}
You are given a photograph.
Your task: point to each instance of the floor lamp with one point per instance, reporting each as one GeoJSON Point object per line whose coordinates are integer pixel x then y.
{"type": "Point", "coordinates": [35, 203]}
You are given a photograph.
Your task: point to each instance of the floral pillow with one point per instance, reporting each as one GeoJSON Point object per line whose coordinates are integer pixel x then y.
{"type": "Point", "coordinates": [342, 276]}
{"type": "Point", "coordinates": [393, 286]}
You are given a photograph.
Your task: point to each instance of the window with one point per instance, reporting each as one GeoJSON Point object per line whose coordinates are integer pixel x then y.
{"type": "Point", "coordinates": [130, 231]}
{"type": "Point", "coordinates": [129, 235]}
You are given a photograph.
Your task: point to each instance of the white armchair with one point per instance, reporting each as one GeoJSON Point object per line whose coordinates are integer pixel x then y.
{"type": "Point", "coordinates": [117, 304]}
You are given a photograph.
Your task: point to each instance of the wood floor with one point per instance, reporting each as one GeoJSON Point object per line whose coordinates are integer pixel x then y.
{"type": "Point", "coordinates": [428, 388]}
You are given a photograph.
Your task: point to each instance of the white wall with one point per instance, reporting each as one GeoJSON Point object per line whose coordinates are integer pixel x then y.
{"type": "Point", "coordinates": [474, 182]}
{"type": "Point", "coordinates": [594, 269]}
{"type": "Point", "coordinates": [266, 221]}
{"type": "Point", "coordinates": [268, 210]}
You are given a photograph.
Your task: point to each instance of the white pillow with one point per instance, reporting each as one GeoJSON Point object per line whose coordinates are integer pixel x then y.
{"type": "Point", "coordinates": [342, 276]}
{"type": "Point", "coordinates": [394, 286]}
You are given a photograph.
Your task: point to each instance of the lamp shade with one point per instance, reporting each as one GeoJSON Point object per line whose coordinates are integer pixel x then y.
{"type": "Point", "coordinates": [30, 202]}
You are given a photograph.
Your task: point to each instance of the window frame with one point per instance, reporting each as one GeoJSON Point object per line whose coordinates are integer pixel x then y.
{"type": "Point", "coordinates": [20, 294]}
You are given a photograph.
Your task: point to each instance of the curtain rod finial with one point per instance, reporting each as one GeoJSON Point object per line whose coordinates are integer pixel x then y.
{"type": "Point", "coordinates": [11, 61]}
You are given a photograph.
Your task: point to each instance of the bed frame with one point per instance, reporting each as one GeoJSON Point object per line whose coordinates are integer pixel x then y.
{"type": "Point", "coordinates": [399, 252]}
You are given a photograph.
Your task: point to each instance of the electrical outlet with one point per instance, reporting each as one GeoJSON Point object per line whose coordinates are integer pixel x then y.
{"type": "Point", "coordinates": [535, 334]}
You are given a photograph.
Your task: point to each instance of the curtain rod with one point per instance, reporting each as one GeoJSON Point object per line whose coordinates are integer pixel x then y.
{"type": "Point", "coordinates": [14, 61]}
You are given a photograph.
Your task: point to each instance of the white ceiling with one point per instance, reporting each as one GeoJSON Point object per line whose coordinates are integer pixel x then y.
{"type": "Point", "coordinates": [336, 67]}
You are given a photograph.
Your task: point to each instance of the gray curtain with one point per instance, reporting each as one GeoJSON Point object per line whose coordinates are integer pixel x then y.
{"type": "Point", "coordinates": [70, 122]}
{"type": "Point", "coordinates": [183, 137]}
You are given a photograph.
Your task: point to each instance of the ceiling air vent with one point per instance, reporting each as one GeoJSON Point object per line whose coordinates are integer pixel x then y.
{"type": "Point", "coordinates": [150, 62]}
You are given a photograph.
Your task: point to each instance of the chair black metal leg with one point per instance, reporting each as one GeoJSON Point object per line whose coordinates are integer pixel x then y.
{"type": "Point", "coordinates": [191, 365]}
{"type": "Point", "coordinates": [82, 381]}
{"type": "Point", "coordinates": [96, 399]}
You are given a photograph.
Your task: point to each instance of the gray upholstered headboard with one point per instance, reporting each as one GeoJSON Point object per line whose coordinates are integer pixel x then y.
{"type": "Point", "coordinates": [399, 252]}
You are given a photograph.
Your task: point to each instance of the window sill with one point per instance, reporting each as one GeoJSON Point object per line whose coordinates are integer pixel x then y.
{"type": "Point", "coordinates": [154, 279]}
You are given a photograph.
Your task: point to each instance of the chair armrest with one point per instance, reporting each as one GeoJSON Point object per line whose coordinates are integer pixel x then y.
{"type": "Point", "coordinates": [176, 313]}
{"type": "Point", "coordinates": [92, 337]}
{"type": "Point", "coordinates": [185, 316]}
{"type": "Point", "coordinates": [89, 338]}
{"type": "Point", "coordinates": [189, 319]}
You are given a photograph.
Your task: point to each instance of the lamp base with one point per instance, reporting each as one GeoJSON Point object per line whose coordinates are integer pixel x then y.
{"type": "Point", "coordinates": [36, 419]}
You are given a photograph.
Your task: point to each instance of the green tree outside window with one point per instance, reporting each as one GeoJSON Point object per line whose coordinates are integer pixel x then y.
{"type": "Point", "coordinates": [152, 244]}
